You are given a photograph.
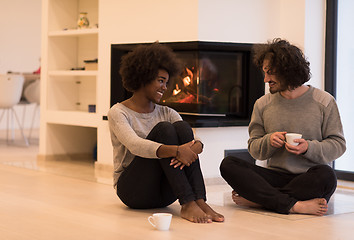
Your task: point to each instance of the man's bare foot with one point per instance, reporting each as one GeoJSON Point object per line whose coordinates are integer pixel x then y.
{"type": "Point", "coordinates": [216, 217]}
{"type": "Point", "coordinates": [243, 202]}
{"type": "Point", "coordinates": [316, 206]}
{"type": "Point", "coordinates": [192, 212]}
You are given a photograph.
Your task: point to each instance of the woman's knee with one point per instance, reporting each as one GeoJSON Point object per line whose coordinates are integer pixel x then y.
{"type": "Point", "coordinates": [184, 131]}
{"type": "Point", "coordinates": [176, 127]}
{"type": "Point", "coordinates": [164, 125]}
{"type": "Point", "coordinates": [163, 132]}
{"type": "Point", "coordinates": [182, 125]}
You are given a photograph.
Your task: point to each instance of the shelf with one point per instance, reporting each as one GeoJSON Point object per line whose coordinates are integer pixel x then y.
{"type": "Point", "coordinates": [68, 128]}
{"type": "Point", "coordinates": [73, 73]}
{"type": "Point", "coordinates": [73, 32]}
{"type": "Point", "coordinates": [73, 118]}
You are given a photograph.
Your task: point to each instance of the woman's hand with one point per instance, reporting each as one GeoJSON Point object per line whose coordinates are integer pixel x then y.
{"type": "Point", "coordinates": [175, 163]}
{"type": "Point", "coordinates": [185, 155]}
{"type": "Point", "coordinates": [197, 147]}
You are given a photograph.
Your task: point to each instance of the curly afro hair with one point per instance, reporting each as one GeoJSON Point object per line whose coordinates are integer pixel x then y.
{"type": "Point", "coordinates": [286, 61]}
{"type": "Point", "coordinates": [140, 66]}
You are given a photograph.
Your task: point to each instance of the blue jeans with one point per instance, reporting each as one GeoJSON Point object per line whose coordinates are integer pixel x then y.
{"type": "Point", "coordinates": [153, 183]}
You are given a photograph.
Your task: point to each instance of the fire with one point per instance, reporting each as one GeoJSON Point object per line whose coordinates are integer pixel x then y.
{"type": "Point", "coordinates": [187, 80]}
{"type": "Point", "coordinates": [176, 90]}
{"type": "Point", "coordinates": [183, 92]}
{"type": "Point", "coordinates": [187, 88]}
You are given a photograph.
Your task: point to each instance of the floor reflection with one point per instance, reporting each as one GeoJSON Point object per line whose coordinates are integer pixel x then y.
{"type": "Point", "coordinates": [218, 194]}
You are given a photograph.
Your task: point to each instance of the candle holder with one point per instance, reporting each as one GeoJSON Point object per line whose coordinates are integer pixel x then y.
{"type": "Point", "coordinates": [83, 21]}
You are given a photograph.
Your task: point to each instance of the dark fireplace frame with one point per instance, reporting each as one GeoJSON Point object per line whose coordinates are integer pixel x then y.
{"type": "Point", "coordinates": [252, 79]}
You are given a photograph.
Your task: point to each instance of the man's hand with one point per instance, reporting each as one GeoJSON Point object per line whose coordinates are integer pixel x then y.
{"type": "Point", "coordinates": [299, 149]}
{"type": "Point", "coordinates": [277, 139]}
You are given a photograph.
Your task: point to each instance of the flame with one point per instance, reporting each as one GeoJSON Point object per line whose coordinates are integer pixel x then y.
{"type": "Point", "coordinates": [183, 95]}
{"type": "Point", "coordinates": [176, 90]}
{"type": "Point", "coordinates": [188, 79]}
{"type": "Point", "coordinates": [189, 99]}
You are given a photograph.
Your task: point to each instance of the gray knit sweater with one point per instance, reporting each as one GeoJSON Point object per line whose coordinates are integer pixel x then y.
{"type": "Point", "coordinates": [314, 114]}
{"type": "Point", "coordinates": [129, 130]}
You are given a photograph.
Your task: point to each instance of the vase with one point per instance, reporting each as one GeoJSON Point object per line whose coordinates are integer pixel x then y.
{"type": "Point", "coordinates": [83, 22]}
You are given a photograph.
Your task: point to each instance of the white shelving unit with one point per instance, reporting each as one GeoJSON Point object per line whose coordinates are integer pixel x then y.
{"type": "Point", "coordinates": [73, 32]}
{"type": "Point", "coordinates": [67, 126]}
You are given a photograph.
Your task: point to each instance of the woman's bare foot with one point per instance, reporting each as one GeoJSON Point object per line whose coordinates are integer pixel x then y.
{"type": "Point", "coordinates": [216, 217]}
{"type": "Point", "coordinates": [192, 212]}
{"type": "Point", "coordinates": [243, 202]}
{"type": "Point", "coordinates": [316, 206]}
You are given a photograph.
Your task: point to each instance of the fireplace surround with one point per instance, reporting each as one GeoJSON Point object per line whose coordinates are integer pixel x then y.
{"type": "Point", "coordinates": [217, 88]}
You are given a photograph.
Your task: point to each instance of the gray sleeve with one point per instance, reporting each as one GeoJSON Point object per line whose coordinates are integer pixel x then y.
{"type": "Point", "coordinates": [259, 141]}
{"type": "Point", "coordinates": [333, 144]}
{"type": "Point", "coordinates": [121, 129]}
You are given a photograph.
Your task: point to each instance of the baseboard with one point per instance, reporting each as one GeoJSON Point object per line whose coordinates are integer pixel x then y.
{"type": "Point", "coordinates": [104, 167]}
{"type": "Point", "coordinates": [104, 172]}
{"type": "Point", "coordinates": [66, 157]}
{"type": "Point", "coordinates": [214, 181]}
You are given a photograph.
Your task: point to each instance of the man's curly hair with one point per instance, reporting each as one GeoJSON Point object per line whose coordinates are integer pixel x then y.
{"type": "Point", "coordinates": [286, 61]}
{"type": "Point", "coordinates": [140, 66]}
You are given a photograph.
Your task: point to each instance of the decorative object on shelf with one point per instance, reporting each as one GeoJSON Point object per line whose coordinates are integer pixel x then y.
{"type": "Point", "coordinates": [91, 64]}
{"type": "Point", "coordinates": [83, 22]}
{"type": "Point", "coordinates": [92, 108]}
{"type": "Point", "coordinates": [77, 69]}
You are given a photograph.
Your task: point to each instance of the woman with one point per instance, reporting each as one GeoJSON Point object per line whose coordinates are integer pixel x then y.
{"type": "Point", "coordinates": [155, 153]}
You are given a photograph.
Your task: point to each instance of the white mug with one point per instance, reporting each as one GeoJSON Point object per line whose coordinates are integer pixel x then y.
{"type": "Point", "coordinates": [290, 137]}
{"type": "Point", "coordinates": [161, 221]}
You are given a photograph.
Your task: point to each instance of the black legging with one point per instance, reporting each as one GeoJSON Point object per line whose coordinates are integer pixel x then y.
{"type": "Point", "coordinates": [274, 190]}
{"type": "Point", "coordinates": [153, 183]}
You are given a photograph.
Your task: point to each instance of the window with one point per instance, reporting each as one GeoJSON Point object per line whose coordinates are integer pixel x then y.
{"type": "Point", "coordinates": [339, 72]}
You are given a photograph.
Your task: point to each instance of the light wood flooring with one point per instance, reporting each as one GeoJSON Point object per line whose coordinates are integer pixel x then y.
{"type": "Point", "coordinates": [67, 200]}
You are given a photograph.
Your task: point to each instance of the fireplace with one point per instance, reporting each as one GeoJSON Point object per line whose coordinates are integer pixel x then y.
{"type": "Point", "coordinates": [218, 86]}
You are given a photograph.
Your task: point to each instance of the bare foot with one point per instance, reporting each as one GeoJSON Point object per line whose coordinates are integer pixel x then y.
{"type": "Point", "coordinates": [192, 212]}
{"type": "Point", "coordinates": [243, 202]}
{"type": "Point", "coordinates": [216, 217]}
{"type": "Point", "coordinates": [316, 206]}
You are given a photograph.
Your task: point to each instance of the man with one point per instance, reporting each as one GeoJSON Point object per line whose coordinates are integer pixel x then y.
{"type": "Point", "coordinates": [297, 179]}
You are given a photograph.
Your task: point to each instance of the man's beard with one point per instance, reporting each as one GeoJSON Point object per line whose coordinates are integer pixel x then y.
{"type": "Point", "coordinates": [280, 88]}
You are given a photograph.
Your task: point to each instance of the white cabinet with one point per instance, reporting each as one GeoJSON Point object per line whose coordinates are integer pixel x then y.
{"type": "Point", "coordinates": [67, 126]}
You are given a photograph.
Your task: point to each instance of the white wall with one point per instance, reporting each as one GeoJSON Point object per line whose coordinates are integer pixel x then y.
{"type": "Point", "coordinates": [20, 43]}
{"type": "Point", "coordinates": [249, 21]}
{"type": "Point", "coordinates": [314, 45]}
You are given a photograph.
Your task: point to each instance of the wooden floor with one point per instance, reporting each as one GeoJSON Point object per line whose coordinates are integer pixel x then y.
{"type": "Point", "coordinates": [66, 200]}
